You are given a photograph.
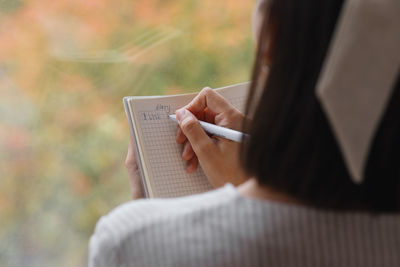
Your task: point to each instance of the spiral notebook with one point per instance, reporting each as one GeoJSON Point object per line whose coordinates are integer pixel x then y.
{"type": "Point", "coordinates": [158, 155]}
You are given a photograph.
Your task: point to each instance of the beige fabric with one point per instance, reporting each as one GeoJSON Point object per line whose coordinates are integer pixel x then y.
{"type": "Point", "coordinates": [359, 74]}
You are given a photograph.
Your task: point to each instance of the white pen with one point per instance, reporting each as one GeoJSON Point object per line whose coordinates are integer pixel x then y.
{"type": "Point", "coordinates": [218, 130]}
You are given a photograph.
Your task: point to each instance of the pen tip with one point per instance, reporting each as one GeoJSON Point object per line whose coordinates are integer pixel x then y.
{"type": "Point", "coordinates": [173, 117]}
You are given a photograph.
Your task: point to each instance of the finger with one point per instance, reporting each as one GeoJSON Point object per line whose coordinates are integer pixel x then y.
{"type": "Point", "coordinates": [192, 165]}
{"type": "Point", "coordinates": [180, 137]}
{"type": "Point", "coordinates": [187, 153]}
{"type": "Point", "coordinates": [209, 116]}
{"type": "Point", "coordinates": [208, 98]}
{"type": "Point", "coordinates": [201, 143]}
{"type": "Point", "coordinates": [130, 161]}
{"type": "Point", "coordinates": [135, 183]}
{"type": "Point", "coordinates": [133, 172]}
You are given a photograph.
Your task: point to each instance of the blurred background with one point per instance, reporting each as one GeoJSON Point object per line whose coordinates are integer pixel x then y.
{"type": "Point", "coordinates": [65, 66]}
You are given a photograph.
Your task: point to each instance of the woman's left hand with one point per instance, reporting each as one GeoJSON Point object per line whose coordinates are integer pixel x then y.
{"type": "Point", "coordinates": [133, 173]}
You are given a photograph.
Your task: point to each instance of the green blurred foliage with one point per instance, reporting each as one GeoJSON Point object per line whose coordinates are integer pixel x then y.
{"type": "Point", "coordinates": [65, 66]}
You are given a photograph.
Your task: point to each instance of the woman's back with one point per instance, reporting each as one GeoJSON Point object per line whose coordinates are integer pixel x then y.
{"type": "Point", "coordinates": [293, 156]}
{"type": "Point", "coordinates": [224, 228]}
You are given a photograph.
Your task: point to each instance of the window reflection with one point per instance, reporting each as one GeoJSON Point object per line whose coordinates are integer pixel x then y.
{"type": "Point", "coordinates": [64, 67]}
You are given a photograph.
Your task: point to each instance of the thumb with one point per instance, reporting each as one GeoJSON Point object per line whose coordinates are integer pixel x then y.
{"type": "Point", "coordinates": [191, 128]}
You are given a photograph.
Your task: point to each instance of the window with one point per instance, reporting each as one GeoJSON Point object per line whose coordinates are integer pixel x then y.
{"type": "Point", "coordinates": [64, 67]}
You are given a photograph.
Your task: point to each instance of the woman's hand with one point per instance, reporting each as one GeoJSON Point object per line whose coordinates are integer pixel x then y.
{"type": "Point", "coordinates": [218, 157]}
{"type": "Point", "coordinates": [133, 173]}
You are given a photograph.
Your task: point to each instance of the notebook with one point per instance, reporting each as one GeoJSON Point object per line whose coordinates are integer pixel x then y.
{"type": "Point", "coordinates": [158, 155]}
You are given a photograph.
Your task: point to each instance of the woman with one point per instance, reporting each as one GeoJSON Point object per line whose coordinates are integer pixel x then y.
{"type": "Point", "coordinates": [300, 200]}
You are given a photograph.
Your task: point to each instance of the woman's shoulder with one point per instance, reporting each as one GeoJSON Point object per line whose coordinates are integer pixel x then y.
{"type": "Point", "coordinates": [134, 216]}
{"type": "Point", "coordinates": [223, 217]}
{"type": "Point", "coordinates": [147, 209]}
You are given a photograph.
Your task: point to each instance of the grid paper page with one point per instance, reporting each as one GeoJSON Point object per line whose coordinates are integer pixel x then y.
{"type": "Point", "coordinates": [164, 162]}
{"type": "Point", "coordinates": [162, 155]}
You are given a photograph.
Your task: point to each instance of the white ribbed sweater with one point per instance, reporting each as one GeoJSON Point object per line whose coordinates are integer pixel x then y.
{"type": "Point", "coordinates": [223, 228]}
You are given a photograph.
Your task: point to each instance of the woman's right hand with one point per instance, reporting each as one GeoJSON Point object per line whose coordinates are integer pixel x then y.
{"type": "Point", "coordinates": [218, 157]}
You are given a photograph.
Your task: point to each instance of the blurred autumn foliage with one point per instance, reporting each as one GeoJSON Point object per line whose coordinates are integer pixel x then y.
{"type": "Point", "coordinates": [64, 67]}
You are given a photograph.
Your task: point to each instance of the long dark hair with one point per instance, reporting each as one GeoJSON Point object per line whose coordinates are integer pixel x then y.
{"type": "Point", "coordinates": [292, 148]}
